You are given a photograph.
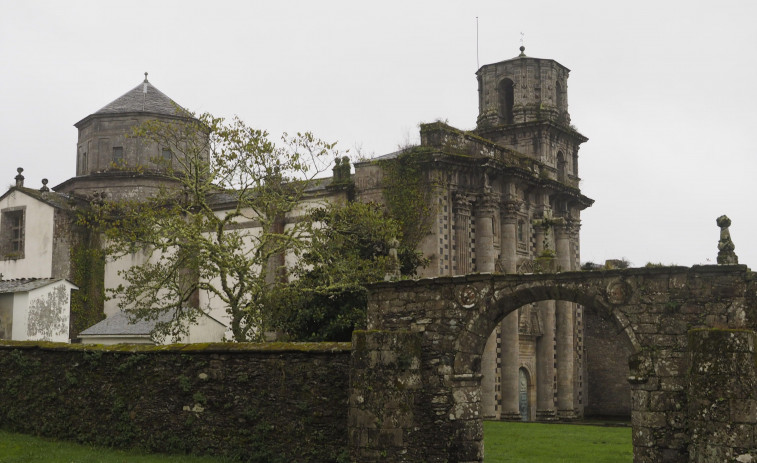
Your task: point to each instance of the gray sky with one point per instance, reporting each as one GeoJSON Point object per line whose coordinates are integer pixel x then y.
{"type": "Point", "coordinates": [666, 91]}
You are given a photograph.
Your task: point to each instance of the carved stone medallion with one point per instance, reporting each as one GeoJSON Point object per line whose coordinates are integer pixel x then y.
{"type": "Point", "coordinates": [618, 292]}
{"type": "Point", "coordinates": [467, 296]}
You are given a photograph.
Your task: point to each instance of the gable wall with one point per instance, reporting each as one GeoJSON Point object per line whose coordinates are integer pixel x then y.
{"type": "Point", "coordinates": [38, 238]}
{"type": "Point", "coordinates": [48, 313]}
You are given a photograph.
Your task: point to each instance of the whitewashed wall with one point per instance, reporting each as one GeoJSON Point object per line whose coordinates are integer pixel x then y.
{"type": "Point", "coordinates": [38, 238]}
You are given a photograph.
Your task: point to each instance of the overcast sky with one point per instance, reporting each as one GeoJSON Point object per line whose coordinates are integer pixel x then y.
{"type": "Point", "coordinates": [666, 91]}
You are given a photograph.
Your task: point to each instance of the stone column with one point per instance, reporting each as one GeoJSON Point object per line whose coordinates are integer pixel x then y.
{"type": "Point", "coordinates": [545, 345]}
{"type": "Point", "coordinates": [510, 345]}
{"type": "Point", "coordinates": [545, 358]}
{"type": "Point", "coordinates": [486, 210]}
{"type": "Point", "coordinates": [462, 233]}
{"type": "Point", "coordinates": [485, 259]}
{"type": "Point", "coordinates": [565, 342]}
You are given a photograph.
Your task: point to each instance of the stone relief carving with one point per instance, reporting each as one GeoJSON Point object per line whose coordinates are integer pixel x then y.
{"type": "Point", "coordinates": [618, 292]}
{"type": "Point", "coordinates": [529, 323]}
{"type": "Point", "coordinates": [467, 296]}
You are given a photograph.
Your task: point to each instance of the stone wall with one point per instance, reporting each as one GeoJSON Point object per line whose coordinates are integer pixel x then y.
{"type": "Point", "coordinates": [692, 400]}
{"type": "Point", "coordinates": [255, 402]}
{"type": "Point", "coordinates": [384, 386]}
{"type": "Point", "coordinates": [723, 395]}
{"type": "Point", "coordinates": [606, 360]}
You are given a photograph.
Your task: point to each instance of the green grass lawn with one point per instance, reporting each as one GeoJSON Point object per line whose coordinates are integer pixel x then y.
{"type": "Point", "coordinates": [555, 443]}
{"type": "Point", "coordinates": [20, 448]}
{"type": "Point", "coordinates": [510, 442]}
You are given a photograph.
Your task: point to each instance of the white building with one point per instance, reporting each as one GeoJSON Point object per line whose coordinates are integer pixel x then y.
{"type": "Point", "coordinates": [35, 309]}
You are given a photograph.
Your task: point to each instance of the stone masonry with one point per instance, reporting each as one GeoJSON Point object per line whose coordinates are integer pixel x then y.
{"type": "Point", "coordinates": [692, 371]}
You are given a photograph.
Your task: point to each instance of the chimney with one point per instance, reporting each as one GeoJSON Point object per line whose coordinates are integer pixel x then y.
{"type": "Point", "coordinates": [19, 177]}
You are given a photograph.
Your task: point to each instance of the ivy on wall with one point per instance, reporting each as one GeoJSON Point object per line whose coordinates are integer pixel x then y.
{"type": "Point", "coordinates": [88, 273]}
{"type": "Point", "coordinates": [408, 193]}
{"type": "Point", "coordinates": [272, 403]}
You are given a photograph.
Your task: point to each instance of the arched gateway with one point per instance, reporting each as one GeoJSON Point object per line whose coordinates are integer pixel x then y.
{"type": "Point", "coordinates": [416, 372]}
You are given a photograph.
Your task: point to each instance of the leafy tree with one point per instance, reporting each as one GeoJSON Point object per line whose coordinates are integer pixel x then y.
{"type": "Point", "coordinates": [349, 249]}
{"type": "Point", "coordinates": [408, 193]}
{"type": "Point", "coordinates": [218, 228]}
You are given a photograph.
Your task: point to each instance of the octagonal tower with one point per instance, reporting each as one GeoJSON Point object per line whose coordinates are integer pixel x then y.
{"type": "Point", "coordinates": [110, 159]}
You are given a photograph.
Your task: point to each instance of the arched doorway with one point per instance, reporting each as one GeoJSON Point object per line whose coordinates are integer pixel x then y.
{"type": "Point", "coordinates": [524, 389]}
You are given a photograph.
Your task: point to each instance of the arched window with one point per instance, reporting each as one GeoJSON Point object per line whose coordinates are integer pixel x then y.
{"type": "Point", "coordinates": [575, 164]}
{"type": "Point", "coordinates": [82, 162]}
{"type": "Point", "coordinates": [521, 231]}
{"type": "Point", "coordinates": [506, 100]}
{"type": "Point", "coordinates": [480, 94]}
{"type": "Point", "coordinates": [561, 167]}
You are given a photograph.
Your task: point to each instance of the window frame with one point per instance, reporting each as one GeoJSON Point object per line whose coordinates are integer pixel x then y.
{"type": "Point", "coordinates": [118, 159]}
{"type": "Point", "coordinates": [13, 232]}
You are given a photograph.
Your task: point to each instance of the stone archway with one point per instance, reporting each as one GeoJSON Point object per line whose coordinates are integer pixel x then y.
{"type": "Point", "coordinates": [415, 382]}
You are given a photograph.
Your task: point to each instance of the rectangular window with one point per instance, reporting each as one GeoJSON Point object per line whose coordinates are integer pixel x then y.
{"type": "Point", "coordinates": [166, 154]}
{"type": "Point", "coordinates": [12, 233]}
{"type": "Point", "coordinates": [118, 154]}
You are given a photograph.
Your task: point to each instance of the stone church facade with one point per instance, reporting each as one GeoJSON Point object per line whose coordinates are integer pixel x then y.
{"type": "Point", "coordinates": [506, 199]}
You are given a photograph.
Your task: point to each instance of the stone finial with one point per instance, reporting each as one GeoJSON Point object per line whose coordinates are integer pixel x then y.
{"type": "Point", "coordinates": [341, 170]}
{"type": "Point", "coordinates": [44, 185]}
{"type": "Point", "coordinates": [19, 177]}
{"type": "Point", "coordinates": [146, 77]}
{"type": "Point", "coordinates": [522, 51]}
{"type": "Point", "coordinates": [726, 256]}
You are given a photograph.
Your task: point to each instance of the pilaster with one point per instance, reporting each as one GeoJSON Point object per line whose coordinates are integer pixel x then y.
{"type": "Point", "coordinates": [486, 211]}
{"type": "Point", "coordinates": [462, 208]}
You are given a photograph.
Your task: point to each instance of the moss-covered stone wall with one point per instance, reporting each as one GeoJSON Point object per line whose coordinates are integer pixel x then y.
{"type": "Point", "coordinates": [272, 402]}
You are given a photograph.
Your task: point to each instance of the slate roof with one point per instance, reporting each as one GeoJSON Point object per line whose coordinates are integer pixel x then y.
{"type": "Point", "coordinates": [142, 98]}
{"type": "Point", "coordinates": [22, 285]}
{"type": "Point", "coordinates": [222, 199]}
{"type": "Point", "coordinates": [119, 324]}
{"type": "Point", "coordinates": [388, 156]}
{"type": "Point", "coordinates": [53, 198]}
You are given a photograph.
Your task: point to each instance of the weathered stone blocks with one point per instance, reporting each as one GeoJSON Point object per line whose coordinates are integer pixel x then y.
{"type": "Point", "coordinates": [722, 394]}
{"type": "Point", "coordinates": [687, 389]}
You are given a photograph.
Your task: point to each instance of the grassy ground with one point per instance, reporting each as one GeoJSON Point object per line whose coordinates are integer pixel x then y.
{"type": "Point", "coordinates": [556, 443]}
{"type": "Point", "coordinates": [503, 442]}
{"type": "Point", "coordinates": [20, 448]}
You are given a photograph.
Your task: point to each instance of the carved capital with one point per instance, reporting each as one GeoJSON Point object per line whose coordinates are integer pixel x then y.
{"type": "Point", "coordinates": [574, 227]}
{"type": "Point", "coordinates": [462, 202]}
{"type": "Point", "coordinates": [509, 209]}
{"type": "Point", "coordinates": [487, 202]}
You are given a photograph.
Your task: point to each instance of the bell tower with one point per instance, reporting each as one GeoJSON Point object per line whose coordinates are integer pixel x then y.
{"type": "Point", "coordinates": [523, 105]}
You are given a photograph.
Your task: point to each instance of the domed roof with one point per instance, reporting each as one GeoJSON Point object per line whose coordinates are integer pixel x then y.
{"type": "Point", "coordinates": [142, 98]}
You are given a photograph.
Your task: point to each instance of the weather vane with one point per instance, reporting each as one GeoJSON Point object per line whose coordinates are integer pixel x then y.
{"type": "Point", "coordinates": [522, 38]}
